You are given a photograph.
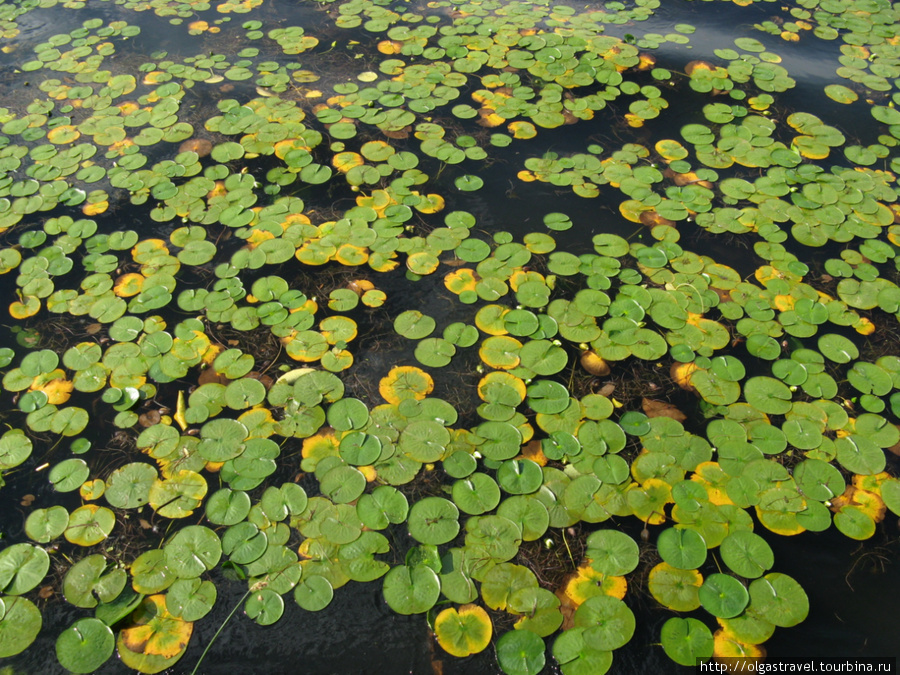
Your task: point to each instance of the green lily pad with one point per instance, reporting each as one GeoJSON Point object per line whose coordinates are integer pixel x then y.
{"type": "Point", "coordinates": [468, 183]}
{"type": "Point", "coordinates": [244, 393]}
{"type": "Point", "coordinates": [414, 325]}
{"type": "Point", "coordinates": [22, 567]}
{"type": "Point", "coordinates": [476, 494]}
{"type": "Point", "coordinates": [45, 525]}
{"type": "Point", "coordinates": [244, 543]}
{"type": "Point", "coordinates": [519, 476]}
{"type": "Point", "coordinates": [780, 599]}
{"type": "Point", "coordinates": [411, 590]}
{"type": "Point", "coordinates": [15, 448]}
{"type": "Point", "coordinates": [19, 626]}
{"type": "Point", "coordinates": [747, 554]}
{"type": "Point", "coordinates": [381, 507]}
{"type": "Point", "coordinates": [227, 506]}
{"type": "Point", "coordinates": [264, 606]}
{"type": "Point", "coordinates": [557, 221]}
{"type": "Point", "coordinates": [128, 487]}
{"type": "Point", "coordinates": [313, 593]}
{"type": "Point", "coordinates": [608, 622]}
{"type": "Point", "coordinates": [674, 588]}
{"type": "Point", "coordinates": [192, 551]}
{"type": "Point", "coordinates": [686, 641]}
{"type": "Point", "coordinates": [89, 581]}
{"type": "Point", "coordinates": [69, 474]}
{"type": "Point", "coordinates": [577, 658]}
{"type": "Point", "coordinates": [347, 414]}
{"type": "Point", "coordinates": [191, 599]}
{"type": "Point", "coordinates": [89, 525]}
{"type": "Point", "coordinates": [837, 348]}
{"type": "Point", "coordinates": [521, 652]}
{"type": "Point", "coordinates": [723, 596]}
{"type": "Point", "coordinates": [85, 645]}
{"type": "Point", "coordinates": [612, 552]}
{"type": "Point", "coordinates": [681, 548]}
{"type": "Point", "coordinates": [434, 520]}
{"type": "Point", "coordinates": [768, 395]}
{"type": "Point", "coordinates": [343, 484]}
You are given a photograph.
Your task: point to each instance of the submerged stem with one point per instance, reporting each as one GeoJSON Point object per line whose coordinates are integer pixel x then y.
{"type": "Point", "coordinates": [569, 550]}
{"type": "Point", "coordinates": [224, 623]}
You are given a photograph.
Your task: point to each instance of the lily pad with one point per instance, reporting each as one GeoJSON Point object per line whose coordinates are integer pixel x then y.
{"type": "Point", "coordinates": [22, 567]}
{"type": "Point", "coordinates": [434, 520]}
{"type": "Point", "coordinates": [411, 590]}
{"type": "Point", "coordinates": [85, 645]}
{"type": "Point", "coordinates": [723, 596]}
{"type": "Point", "coordinates": [681, 548]}
{"type": "Point", "coordinates": [686, 641]}
{"type": "Point", "coordinates": [464, 631]}
{"type": "Point", "coordinates": [19, 626]}
{"type": "Point", "coordinates": [747, 554]}
{"type": "Point", "coordinates": [612, 552]}
{"type": "Point", "coordinates": [780, 599]}
{"type": "Point", "coordinates": [521, 652]}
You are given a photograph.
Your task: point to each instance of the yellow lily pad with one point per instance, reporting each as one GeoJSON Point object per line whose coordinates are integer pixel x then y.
{"type": "Point", "coordinates": [588, 582]}
{"type": "Point", "coordinates": [28, 306]}
{"type": "Point", "coordinates": [156, 639]}
{"type": "Point", "coordinates": [463, 632]}
{"type": "Point", "coordinates": [65, 133]}
{"type": "Point", "coordinates": [460, 280]}
{"type": "Point", "coordinates": [55, 385]}
{"type": "Point", "coordinates": [129, 285]}
{"type": "Point", "coordinates": [431, 203]}
{"type": "Point", "coordinates": [405, 382]}
{"type": "Point", "coordinates": [92, 489]}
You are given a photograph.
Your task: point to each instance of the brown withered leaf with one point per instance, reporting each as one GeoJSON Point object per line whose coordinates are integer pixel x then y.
{"type": "Point", "coordinates": [149, 418]}
{"type": "Point", "coordinates": [212, 375]}
{"type": "Point", "coordinates": [654, 408]}
{"type": "Point", "coordinates": [607, 389]}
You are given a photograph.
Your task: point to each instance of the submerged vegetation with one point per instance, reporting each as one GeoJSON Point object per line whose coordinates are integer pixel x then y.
{"type": "Point", "coordinates": [264, 328]}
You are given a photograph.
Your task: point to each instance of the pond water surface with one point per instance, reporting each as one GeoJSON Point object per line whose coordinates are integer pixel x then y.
{"type": "Point", "coordinates": [361, 161]}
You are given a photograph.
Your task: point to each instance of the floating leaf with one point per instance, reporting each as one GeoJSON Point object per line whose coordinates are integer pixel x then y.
{"type": "Point", "coordinates": [155, 640]}
{"type": "Point", "coordinates": [723, 596]}
{"type": "Point", "coordinates": [607, 621]}
{"type": "Point", "coordinates": [681, 548]}
{"type": "Point", "coordinates": [686, 641]}
{"type": "Point", "coordinates": [22, 567]}
{"type": "Point", "coordinates": [192, 550]}
{"type": "Point", "coordinates": [747, 554]}
{"type": "Point", "coordinates": [464, 631]}
{"type": "Point", "coordinates": [45, 525]}
{"type": "Point", "coordinates": [89, 525]}
{"type": "Point", "coordinates": [434, 520]}
{"type": "Point", "coordinates": [521, 652]}
{"type": "Point", "coordinates": [19, 625]}
{"type": "Point", "coordinates": [780, 599]}
{"type": "Point", "coordinates": [85, 645]}
{"type": "Point", "coordinates": [612, 552]}
{"type": "Point", "coordinates": [405, 382]}
{"type": "Point", "coordinates": [468, 183]}
{"type": "Point", "coordinates": [411, 590]}
{"type": "Point", "coordinates": [675, 589]}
